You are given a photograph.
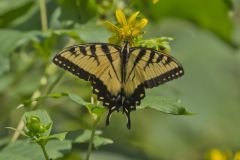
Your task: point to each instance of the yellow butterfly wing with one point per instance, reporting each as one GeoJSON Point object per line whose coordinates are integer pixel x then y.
{"type": "Point", "coordinates": [148, 68]}
{"type": "Point", "coordinates": [98, 63]}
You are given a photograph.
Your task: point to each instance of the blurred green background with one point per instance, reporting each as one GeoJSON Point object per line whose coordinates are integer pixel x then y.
{"type": "Point", "coordinates": [207, 40]}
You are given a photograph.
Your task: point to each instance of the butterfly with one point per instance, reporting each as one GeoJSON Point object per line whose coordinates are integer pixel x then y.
{"type": "Point", "coordinates": [119, 75]}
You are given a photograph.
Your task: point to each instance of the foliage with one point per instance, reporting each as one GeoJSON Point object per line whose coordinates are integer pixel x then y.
{"type": "Point", "coordinates": [30, 82]}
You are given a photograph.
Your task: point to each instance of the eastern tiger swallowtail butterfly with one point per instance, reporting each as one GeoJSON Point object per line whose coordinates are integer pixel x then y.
{"type": "Point", "coordinates": [119, 74]}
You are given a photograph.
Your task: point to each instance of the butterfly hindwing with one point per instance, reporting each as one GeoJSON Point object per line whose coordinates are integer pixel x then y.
{"type": "Point", "coordinates": [98, 63]}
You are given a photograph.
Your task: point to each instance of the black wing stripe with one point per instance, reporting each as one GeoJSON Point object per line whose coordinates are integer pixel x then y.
{"type": "Point", "coordinates": [93, 52]}
{"type": "Point", "coordinates": [83, 50]}
{"type": "Point", "coordinates": [106, 50]}
{"type": "Point", "coordinates": [141, 54]}
{"type": "Point", "coordinates": [72, 50]}
{"type": "Point", "coordinates": [160, 56]}
{"type": "Point", "coordinates": [152, 53]}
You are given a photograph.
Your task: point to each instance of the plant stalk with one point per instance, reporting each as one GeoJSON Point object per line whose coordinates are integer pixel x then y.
{"type": "Point", "coordinates": [44, 151]}
{"type": "Point", "coordinates": [43, 13]}
{"type": "Point", "coordinates": [51, 87]}
{"type": "Point", "coordinates": [90, 145]}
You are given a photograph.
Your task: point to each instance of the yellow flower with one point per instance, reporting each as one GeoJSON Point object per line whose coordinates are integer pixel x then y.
{"type": "Point", "coordinates": [237, 156]}
{"type": "Point", "coordinates": [217, 155]}
{"type": "Point", "coordinates": [126, 29]}
{"type": "Point", "coordinates": [155, 1]}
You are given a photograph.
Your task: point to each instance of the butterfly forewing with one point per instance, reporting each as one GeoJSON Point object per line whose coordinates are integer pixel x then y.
{"type": "Point", "coordinates": [148, 68]}
{"type": "Point", "coordinates": [98, 63]}
{"type": "Point", "coordinates": [153, 68]}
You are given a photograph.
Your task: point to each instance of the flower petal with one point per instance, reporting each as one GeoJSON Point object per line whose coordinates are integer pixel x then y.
{"type": "Point", "coordinates": [141, 24]}
{"type": "Point", "coordinates": [133, 18]}
{"type": "Point", "coordinates": [136, 32]}
{"type": "Point", "coordinates": [111, 27]}
{"type": "Point", "coordinates": [121, 17]}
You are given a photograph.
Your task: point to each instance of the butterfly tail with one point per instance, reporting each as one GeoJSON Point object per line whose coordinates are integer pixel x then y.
{"type": "Point", "coordinates": [115, 105]}
{"type": "Point", "coordinates": [109, 116]}
{"type": "Point", "coordinates": [127, 112]}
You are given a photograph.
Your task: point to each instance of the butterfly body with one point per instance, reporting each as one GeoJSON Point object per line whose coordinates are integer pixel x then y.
{"type": "Point", "coordinates": [119, 74]}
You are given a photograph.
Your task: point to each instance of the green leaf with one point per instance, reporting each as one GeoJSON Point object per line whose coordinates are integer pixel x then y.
{"type": "Point", "coordinates": [101, 141]}
{"type": "Point", "coordinates": [4, 141]}
{"type": "Point", "coordinates": [25, 150]}
{"type": "Point", "coordinates": [76, 98]}
{"type": "Point", "coordinates": [60, 136]}
{"type": "Point", "coordinates": [97, 141]}
{"type": "Point", "coordinates": [44, 119]}
{"type": "Point", "coordinates": [212, 15]}
{"type": "Point", "coordinates": [85, 136]}
{"type": "Point", "coordinates": [56, 148]}
{"type": "Point", "coordinates": [164, 104]}
{"type": "Point", "coordinates": [95, 110]}
{"type": "Point", "coordinates": [11, 10]}
{"type": "Point", "coordinates": [9, 40]}
{"type": "Point", "coordinates": [4, 65]}
{"type": "Point", "coordinates": [13, 156]}
{"type": "Point", "coordinates": [79, 11]}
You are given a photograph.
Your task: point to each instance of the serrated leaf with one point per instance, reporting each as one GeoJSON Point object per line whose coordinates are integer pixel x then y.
{"type": "Point", "coordinates": [44, 119]}
{"type": "Point", "coordinates": [164, 104]}
{"type": "Point", "coordinates": [25, 150]}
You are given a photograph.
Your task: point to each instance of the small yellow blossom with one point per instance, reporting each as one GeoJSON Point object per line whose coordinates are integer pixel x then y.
{"type": "Point", "coordinates": [126, 29]}
{"type": "Point", "coordinates": [155, 1]}
{"type": "Point", "coordinates": [217, 155]}
{"type": "Point", "coordinates": [237, 156]}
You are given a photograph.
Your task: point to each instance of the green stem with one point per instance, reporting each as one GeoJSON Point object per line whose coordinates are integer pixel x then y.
{"type": "Point", "coordinates": [55, 82]}
{"type": "Point", "coordinates": [43, 12]}
{"type": "Point", "coordinates": [91, 139]}
{"type": "Point", "coordinates": [44, 151]}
